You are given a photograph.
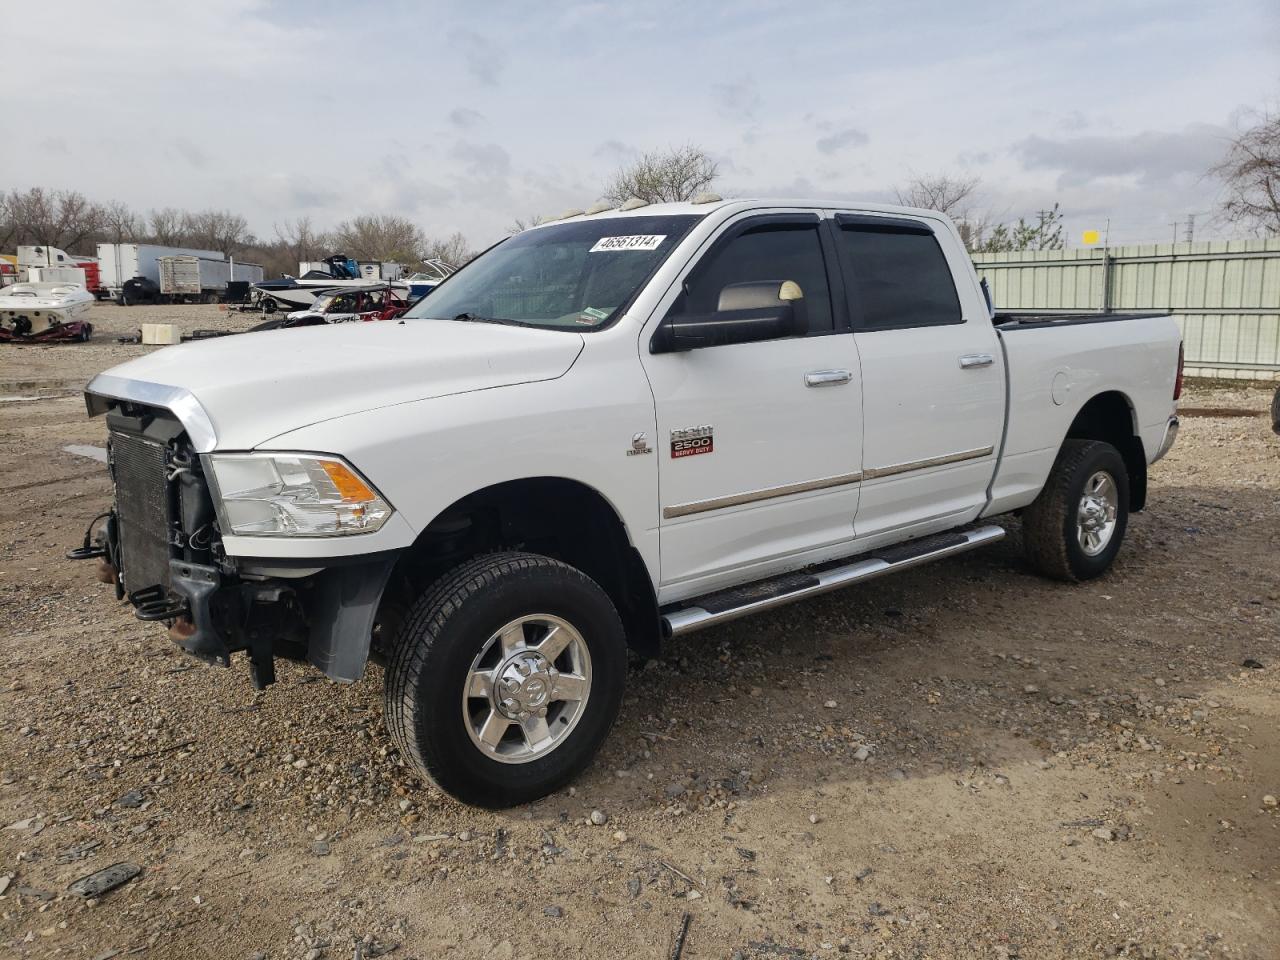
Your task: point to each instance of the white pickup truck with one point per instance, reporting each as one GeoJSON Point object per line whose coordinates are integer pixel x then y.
{"type": "Point", "coordinates": [604, 432]}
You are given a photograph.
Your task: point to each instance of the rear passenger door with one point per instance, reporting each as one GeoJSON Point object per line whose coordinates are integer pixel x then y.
{"type": "Point", "coordinates": [932, 375]}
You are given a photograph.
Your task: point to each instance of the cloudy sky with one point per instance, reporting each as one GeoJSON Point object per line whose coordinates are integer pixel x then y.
{"type": "Point", "coordinates": [466, 116]}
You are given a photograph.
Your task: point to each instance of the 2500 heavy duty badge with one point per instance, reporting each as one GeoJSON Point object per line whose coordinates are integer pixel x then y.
{"type": "Point", "coordinates": [691, 441]}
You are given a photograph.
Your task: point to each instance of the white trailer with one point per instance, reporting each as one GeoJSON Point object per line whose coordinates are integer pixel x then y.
{"type": "Point", "coordinates": [198, 278]}
{"type": "Point", "coordinates": [121, 262]}
{"type": "Point", "coordinates": [380, 270]}
{"type": "Point", "coordinates": [250, 272]}
{"type": "Point", "coordinates": [193, 278]}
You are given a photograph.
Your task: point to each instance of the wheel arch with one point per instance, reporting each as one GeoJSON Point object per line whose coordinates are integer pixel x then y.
{"type": "Point", "coordinates": [556, 516]}
{"type": "Point", "coordinates": [1110, 416]}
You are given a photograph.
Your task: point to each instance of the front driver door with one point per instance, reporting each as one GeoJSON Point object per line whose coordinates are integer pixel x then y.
{"type": "Point", "coordinates": [759, 444]}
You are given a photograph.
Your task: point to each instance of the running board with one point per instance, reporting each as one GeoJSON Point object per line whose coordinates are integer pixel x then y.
{"type": "Point", "coordinates": [738, 602]}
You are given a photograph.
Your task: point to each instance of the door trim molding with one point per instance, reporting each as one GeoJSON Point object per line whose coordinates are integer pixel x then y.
{"type": "Point", "coordinates": [769, 493]}
{"type": "Point", "coordinates": [753, 496]}
{"type": "Point", "coordinates": [874, 473]}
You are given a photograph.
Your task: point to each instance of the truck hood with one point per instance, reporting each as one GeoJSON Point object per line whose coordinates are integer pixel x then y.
{"type": "Point", "coordinates": [234, 393]}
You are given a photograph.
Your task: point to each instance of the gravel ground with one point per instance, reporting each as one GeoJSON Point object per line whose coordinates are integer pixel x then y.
{"type": "Point", "coordinates": [961, 761]}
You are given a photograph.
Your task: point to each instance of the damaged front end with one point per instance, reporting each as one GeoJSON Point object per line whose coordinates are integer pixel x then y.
{"type": "Point", "coordinates": [161, 546]}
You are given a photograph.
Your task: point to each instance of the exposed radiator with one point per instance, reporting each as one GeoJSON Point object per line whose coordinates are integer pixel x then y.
{"type": "Point", "coordinates": [142, 510]}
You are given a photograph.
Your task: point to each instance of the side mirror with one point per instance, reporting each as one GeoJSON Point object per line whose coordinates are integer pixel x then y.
{"type": "Point", "coordinates": [745, 313]}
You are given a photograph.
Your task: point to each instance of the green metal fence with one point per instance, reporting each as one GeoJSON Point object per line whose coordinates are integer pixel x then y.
{"type": "Point", "coordinates": [1225, 295]}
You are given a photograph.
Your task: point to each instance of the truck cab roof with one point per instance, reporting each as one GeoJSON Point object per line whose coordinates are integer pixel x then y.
{"type": "Point", "coordinates": [737, 204]}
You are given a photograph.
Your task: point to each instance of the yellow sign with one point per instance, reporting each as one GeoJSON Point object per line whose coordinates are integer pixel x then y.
{"type": "Point", "coordinates": [1091, 237]}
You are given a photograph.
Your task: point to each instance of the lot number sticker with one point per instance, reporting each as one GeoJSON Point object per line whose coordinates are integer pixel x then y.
{"type": "Point", "coordinates": [638, 242]}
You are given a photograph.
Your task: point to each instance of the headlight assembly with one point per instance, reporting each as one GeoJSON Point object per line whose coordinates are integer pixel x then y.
{"type": "Point", "coordinates": [292, 495]}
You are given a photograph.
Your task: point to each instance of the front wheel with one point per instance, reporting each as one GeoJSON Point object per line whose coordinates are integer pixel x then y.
{"type": "Point", "coordinates": [1074, 529]}
{"type": "Point", "coordinates": [505, 677]}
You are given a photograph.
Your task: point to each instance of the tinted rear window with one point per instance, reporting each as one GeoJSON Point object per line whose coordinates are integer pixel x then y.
{"type": "Point", "coordinates": [899, 279]}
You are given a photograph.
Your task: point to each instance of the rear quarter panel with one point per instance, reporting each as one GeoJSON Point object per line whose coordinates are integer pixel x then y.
{"type": "Point", "coordinates": [1137, 358]}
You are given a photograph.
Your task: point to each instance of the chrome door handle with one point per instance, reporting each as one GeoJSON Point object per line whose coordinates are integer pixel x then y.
{"type": "Point", "coordinates": [969, 361]}
{"type": "Point", "coordinates": [827, 378]}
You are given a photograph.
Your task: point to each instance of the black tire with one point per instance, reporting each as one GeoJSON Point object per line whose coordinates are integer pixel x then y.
{"type": "Point", "coordinates": [1050, 532]}
{"type": "Point", "coordinates": [1275, 412]}
{"type": "Point", "coordinates": [447, 627]}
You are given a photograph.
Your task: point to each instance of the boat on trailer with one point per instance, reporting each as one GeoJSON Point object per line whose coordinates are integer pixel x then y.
{"type": "Point", "coordinates": [41, 312]}
{"type": "Point", "coordinates": [300, 293]}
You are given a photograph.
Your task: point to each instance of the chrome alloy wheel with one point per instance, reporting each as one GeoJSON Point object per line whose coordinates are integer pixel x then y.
{"type": "Point", "coordinates": [1096, 514]}
{"type": "Point", "coordinates": [527, 688]}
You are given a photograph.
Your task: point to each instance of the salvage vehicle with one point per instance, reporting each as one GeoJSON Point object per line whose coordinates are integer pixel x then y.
{"type": "Point", "coordinates": [604, 432]}
{"type": "Point", "coordinates": [377, 301]}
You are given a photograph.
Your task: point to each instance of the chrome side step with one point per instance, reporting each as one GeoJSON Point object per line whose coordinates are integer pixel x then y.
{"type": "Point", "coordinates": [754, 598]}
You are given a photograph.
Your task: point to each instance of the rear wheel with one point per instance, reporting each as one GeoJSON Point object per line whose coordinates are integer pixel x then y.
{"type": "Point", "coordinates": [1074, 529]}
{"type": "Point", "coordinates": [505, 677]}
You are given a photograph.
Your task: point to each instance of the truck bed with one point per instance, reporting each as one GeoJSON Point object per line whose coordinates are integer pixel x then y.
{"type": "Point", "coordinates": [1072, 358]}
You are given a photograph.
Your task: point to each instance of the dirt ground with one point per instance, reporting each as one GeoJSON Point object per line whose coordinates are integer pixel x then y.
{"type": "Point", "coordinates": [961, 761]}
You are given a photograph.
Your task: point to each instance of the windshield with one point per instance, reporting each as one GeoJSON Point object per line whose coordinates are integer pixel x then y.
{"type": "Point", "coordinates": [574, 275]}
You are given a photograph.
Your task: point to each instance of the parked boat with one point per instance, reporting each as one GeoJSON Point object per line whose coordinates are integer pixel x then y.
{"type": "Point", "coordinates": [299, 293]}
{"type": "Point", "coordinates": [40, 312]}
{"type": "Point", "coordinates": [424, 281]}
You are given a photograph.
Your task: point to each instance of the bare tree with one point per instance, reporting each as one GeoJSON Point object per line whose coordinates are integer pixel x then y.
{"type": "Point", "coordinates": [219, 230]}
{"type": "Point", "coordinates": [168, 226]}
{"type": "Point", "coordinates": [953, 196]}
{"type": "Point", "coordinates": [120, 224]}
{"type": "Point", "coordinates": [62, 218]}
{"type": "Point", "coordinates": [1251, 174]}
{"type": "Point", "coordinates": [946, 194]}
{"type": "Point", "coordinates": [453, 249]}
{"type": "Point", "coordinates": [680, 173]}
{"type": "Point", "coordinates": [520, 224]}
{"type": "Point", "coordinates": [380, 237]}
{"type": "Point", "coordinates": [301, 240]}
{"type": "Point", "coordinates": [8, 222]}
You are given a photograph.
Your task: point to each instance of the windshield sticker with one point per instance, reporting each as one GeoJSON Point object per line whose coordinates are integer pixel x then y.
{"type": "Point", "coordinates": [638, 242]}
{"type": "Point", "coordinates": [593, 314]}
